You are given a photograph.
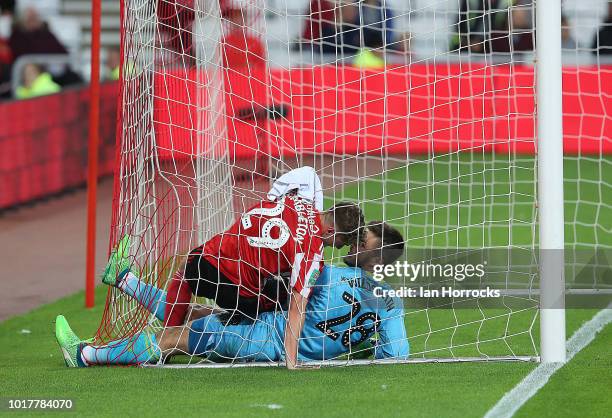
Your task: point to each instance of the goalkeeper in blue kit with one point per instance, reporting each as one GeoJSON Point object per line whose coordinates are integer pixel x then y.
{"type": "Point", "coordinates": [342, 316]}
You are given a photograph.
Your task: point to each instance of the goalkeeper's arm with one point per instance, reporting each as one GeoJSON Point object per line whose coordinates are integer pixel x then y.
{"type": "Point", "coordinates": [293, 329]}
{"type": "Point", "coordinates": [392, 341]}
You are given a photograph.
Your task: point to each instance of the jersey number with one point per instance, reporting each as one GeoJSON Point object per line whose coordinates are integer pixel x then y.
{"type": "Point", "coordinates": [364, 331]}
{"type": "Point", "coordinates": [265, 239]}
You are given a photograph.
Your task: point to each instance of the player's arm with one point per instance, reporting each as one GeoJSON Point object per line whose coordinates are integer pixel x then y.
{"type": "Point", "coordinates": [293, 329]}
{"type": "Point", "coordinates": [392, 342]}
{"type": "Point", "coordinates": [305, 270]}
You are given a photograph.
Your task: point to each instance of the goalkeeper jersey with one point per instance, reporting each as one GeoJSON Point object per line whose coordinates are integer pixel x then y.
{"type": "Point", "coordinates": [341, 313]}
{"type": "Point", "coordinates": [273, 237]}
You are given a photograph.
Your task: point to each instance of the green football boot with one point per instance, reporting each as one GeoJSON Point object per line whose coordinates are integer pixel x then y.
{"type": "Point", "coordinates": [69, 343]}
{"type": "Point", "coordinates": [118, 263]}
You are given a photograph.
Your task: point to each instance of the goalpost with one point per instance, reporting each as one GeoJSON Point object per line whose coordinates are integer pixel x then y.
{"type": "Point", "coordinates": [550, 181]}
{"type": "Point", "coordinates": [426, 127]}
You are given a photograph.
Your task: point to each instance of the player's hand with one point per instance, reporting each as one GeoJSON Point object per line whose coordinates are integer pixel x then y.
{"type": "Point", "coordinates": [302, 366]}
{"type": "Point", "coordinates": [290, 365]}
{"type": "Point", "coordinates": [364, 350]}
{"type": "Point", "coordinates": [308, 366]}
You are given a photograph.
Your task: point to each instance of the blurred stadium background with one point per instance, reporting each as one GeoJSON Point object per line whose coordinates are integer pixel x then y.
{"type": "Point", "coordinates": [45, 49]}
{"type": "Point", "coordinates": [43, 120]}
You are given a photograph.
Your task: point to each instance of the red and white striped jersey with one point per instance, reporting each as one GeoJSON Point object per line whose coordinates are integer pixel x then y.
{"type": "Point", "coordinates": [273, 237]}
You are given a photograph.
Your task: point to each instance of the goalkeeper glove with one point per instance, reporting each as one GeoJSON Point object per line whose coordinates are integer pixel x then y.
{"type": "Point", "coordinates": [364, 349]}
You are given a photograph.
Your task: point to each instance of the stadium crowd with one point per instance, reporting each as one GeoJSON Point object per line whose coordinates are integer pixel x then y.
{"type": "Point", "coordinates": [29, 45]}
{"type": "Point", "coordinates": [363, 32]}
{"type": "Point", "coordinates": [28, 35]}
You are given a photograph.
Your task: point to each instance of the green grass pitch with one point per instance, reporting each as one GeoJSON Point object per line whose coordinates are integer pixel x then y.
{"type": "Point", "coordinates": [33, 367]}
{"type": "Point", "coordinates": [436, 212]}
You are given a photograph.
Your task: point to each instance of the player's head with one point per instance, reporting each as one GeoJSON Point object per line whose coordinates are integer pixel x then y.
{"type": "Point", "coordinates": [341, 224]}
{"type": "Point", "coordinates": [381, 244]}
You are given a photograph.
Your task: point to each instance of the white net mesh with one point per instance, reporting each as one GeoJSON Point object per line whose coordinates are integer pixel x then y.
{"type": "Point", "coordinates": [422, 112]}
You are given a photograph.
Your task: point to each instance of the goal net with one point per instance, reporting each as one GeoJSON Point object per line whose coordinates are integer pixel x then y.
{"type": "Point", "coordinates": [422, 112]}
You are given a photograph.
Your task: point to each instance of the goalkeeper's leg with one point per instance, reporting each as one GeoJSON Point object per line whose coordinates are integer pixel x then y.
{"type": "Point", "coordinates": [199, 278]}
{"type": "Point", "coordinates": [137, 349]}
{"type": "Point", "coordinates": [120, 274]}
{"type": "Point", "coordinates": [154, 299]}
{"type": "Point", "coordinates": [145, 347]}
{"type": "Point", "coordinates": [171, 307]}
{"type": "Point", "coordinates": [212, 337]}
{"type": "Point", "coordinates": [247, 341]}
{"type": "Point", "coordinates": [179, 311]}
{"type": "Point", "coordinates": [140, 348]}
{"type": "Point", "coordinates": [149, 296]}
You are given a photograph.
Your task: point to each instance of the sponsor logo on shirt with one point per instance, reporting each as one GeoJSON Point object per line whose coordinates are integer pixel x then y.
{"type": "Point", "coordinates": [313, 277]}
{"type": "Point", "coordinates": [306, 218]}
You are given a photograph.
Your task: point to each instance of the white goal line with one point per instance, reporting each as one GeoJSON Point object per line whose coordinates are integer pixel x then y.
{"type": "Point", "coordinates": [338, 363]}
{"type": "Point", "coordinates": [513, 400]}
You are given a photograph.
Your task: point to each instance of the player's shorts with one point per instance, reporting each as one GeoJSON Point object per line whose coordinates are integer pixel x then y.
{"type": "Point", "coordinates": [259, 340]}
{"type": "Point", "coordinates": [205, 280]}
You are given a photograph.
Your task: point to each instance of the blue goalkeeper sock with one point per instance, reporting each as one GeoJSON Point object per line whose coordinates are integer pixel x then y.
{"type": "Point", "coordinates": [149, 296]}
{"type": "Point", "coordinates": [138, 349]}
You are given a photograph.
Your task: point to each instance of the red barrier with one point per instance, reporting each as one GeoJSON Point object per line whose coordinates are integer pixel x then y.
{"type": "Point", "coordinates": [43, 143]}
{"type": "Point", "coordinates": [417, 109]}
{"type": "Point", "coordinates": [342, 110]}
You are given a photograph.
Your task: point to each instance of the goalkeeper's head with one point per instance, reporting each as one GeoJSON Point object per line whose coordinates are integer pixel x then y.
{"type": "Point", "coordinates": [342, 224]}
{"type": "Point", "coordinates": [381, 244]}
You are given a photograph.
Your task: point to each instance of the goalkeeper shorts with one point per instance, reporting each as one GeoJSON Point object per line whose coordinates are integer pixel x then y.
{"type": "Point", "coordinates": [259, 340]}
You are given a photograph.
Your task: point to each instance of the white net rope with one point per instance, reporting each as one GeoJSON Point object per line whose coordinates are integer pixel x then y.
{"type": "Point", "coordinates": [421, 112]}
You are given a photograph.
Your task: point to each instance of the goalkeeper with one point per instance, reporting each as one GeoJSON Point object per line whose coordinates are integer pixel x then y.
{"type": "Point", "coordinates": [284, 234]}
{"type": "Point", "coordinates": [341, 315]}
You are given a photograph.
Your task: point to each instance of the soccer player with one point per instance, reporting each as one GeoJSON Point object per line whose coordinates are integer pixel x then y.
{"type": "Point", "coordinates": [284, 235]}
{"type": "Point", "coordinates": [342, 313]}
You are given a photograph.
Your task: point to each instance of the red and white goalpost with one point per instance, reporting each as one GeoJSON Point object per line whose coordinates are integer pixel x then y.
{"type": "Point", "coordinates": [439, 142]}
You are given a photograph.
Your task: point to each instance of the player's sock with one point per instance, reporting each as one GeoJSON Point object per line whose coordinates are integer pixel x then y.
{"type": "Point", "coordinates": [138, 349]}
{"type": "Point", "coordinates": [177, 301]}
{"type": "Point", "coordinates": [149, 296]}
